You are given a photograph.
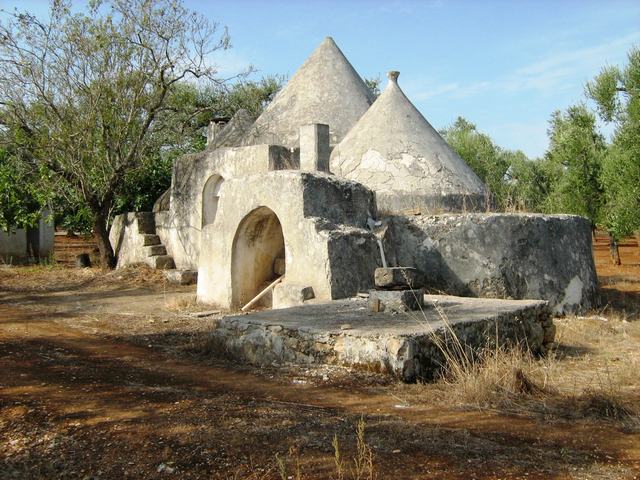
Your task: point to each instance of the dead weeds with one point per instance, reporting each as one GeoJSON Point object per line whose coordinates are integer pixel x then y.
{"type": "Point", "coordinates": [594, 373]}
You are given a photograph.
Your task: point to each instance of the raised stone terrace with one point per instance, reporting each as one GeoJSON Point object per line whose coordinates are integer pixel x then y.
{"type": "Point", "coordinates": [405, 345]}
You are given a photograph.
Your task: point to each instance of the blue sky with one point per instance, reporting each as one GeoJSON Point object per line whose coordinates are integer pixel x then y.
{"type": "Point", "coordinates": [504, 65]}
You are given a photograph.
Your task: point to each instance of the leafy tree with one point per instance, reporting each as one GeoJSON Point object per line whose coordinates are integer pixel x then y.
{"type": "Point", "coordinates": [373, 84]}
{"type": "Point", "coordinates": [487, 160]}
{"type": "Point", "coordinates": [21, 198]}
{"type": "Point", "coordinates": [252, 96]}
{"type": "Point", "coordinates": [144, 184]}
{"type": "Point", "coordinates": [616, 92]}
{"type": "Point", "coordinates": [94, 90]}
{"type": "Point", "coordinates": [527, 184]}
{"type": "Point", "coordinates": [574, 160]}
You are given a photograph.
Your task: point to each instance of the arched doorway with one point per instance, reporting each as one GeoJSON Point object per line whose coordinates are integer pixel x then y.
{"type": "Point", "coordinates": [210, 198]}
{"type": "Point", "coordinates": [258, 243]}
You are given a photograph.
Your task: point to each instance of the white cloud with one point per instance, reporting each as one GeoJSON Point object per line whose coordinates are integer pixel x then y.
{"type": "Point", "coordinates": [567, 67]}
{"type": "Point", "coordinates": [562, 71]}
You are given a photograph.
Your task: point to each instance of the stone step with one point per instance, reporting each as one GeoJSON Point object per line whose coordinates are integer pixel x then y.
{"type": "Point", "coordinates": [161, 262]}
{"type": "Point", "coordinates": [153, 250]}
{"type": "Point", "coordinates": [146, 222]}
{"type": "Point", "coordinates": [150, 239]}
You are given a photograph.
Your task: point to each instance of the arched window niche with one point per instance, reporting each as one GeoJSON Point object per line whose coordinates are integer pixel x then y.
{"type": "Point", "coordinates": [210, 199]}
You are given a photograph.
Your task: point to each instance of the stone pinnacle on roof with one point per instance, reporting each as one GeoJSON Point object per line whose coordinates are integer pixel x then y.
{"type": "Point", "coordinates": [325, 89]}
{"type": "Point", "coordinates": [394, 151]}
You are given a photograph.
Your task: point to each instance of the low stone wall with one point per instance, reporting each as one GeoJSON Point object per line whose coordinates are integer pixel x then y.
{"type": "Point", "coordinates": [125, 240]}
{"type": "Point", "coordinates": [520, 256]}
{"type": "Point", "coordinates": [399, 203]}
{"type": "Point", "coordinates": [405, 346]}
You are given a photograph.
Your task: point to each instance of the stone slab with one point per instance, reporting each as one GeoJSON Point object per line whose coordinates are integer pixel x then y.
{"type": "Point", "coordinates": [345, 332]}
{"type": "Point", "coordinates": [396, 300]}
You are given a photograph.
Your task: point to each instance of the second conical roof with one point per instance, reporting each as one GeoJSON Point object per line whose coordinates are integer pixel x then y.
{"type": "Point", "coordinates": [394, 149]}
{"type": "Point", "coordinates": [325, 89]}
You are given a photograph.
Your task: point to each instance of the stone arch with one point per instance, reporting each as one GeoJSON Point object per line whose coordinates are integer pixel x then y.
{"type": "Point", "coordinates": [210, 198]}
{"type": "Point", "coordinates": [258, 242]}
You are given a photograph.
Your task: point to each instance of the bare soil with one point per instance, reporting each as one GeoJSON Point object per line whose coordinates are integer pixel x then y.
{"type": "Point", "coordinates": [102, 376]}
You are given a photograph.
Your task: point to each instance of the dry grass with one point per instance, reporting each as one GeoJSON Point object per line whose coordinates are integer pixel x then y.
{"type": "Point", "coordinates": [183, 304]}
{"type": "Point", "coordinates": [593, 374]}
{"type": "Point", "coordinates": [52, 277]}
{"type": "Point", "coordinates": [359, 467]}
{"type": "Point", "coordinates": [140, 275]}
{"type": "Point", "coordinates": [44, 277]}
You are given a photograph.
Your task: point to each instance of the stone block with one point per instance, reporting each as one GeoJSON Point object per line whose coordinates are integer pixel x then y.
{"type": "Point", "coordinates": [181, 277]}
{"type": "Point", "coordinates": [395, 277]}
{"type": "Point", "coordinates": [343, 333]}
{"type": "Point", "coordinates": [279, 266]}
{"type": "Point", "coordinates": [287, 295]}
{"type": "Point", "coordinates": [396, 300]}
{"type": "Point", "coordinates": [314, 147]}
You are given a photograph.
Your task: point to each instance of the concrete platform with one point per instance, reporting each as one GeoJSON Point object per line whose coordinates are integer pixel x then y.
{"type": "Point", "coordinates": [346, 332]}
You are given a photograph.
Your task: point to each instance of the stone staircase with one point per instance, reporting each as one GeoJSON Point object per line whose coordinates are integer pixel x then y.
{"type": "Point", "coordinates": [155, 253]}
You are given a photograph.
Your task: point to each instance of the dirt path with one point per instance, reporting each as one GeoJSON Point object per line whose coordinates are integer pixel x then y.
{"type": "Point", "coordinates": [74, 404]}
{"type": "Point", "coordinates": [97, 381]}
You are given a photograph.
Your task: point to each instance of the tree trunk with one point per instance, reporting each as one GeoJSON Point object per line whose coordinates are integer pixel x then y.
{"type": "Point", "coordinates": [101, 236]}
{"type": "Point", "coordinates": [614, 250]}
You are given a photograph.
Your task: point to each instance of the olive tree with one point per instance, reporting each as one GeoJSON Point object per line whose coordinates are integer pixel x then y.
{"type": "Point", "coordinates": [616, 92]}
{"type": "Point", "coordinates": [575, 150]}
{"type": "Point", "coordinates": [92, 89]}
{"type": "Point", "coordinates": [488, 160]}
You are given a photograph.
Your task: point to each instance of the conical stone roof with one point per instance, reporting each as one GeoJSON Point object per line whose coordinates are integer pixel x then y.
{"type": "Point", "coordinates": [325, 89]}
{"type": "Point", "coordinates": [394, 151]}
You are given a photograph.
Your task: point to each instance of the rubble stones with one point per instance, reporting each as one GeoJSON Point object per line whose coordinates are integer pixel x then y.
{"type": "Point", "coordinates": [181, 277]}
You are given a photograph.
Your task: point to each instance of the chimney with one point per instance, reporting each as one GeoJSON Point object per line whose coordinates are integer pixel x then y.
{"type": "Point", "coordinates": [314, 148]}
